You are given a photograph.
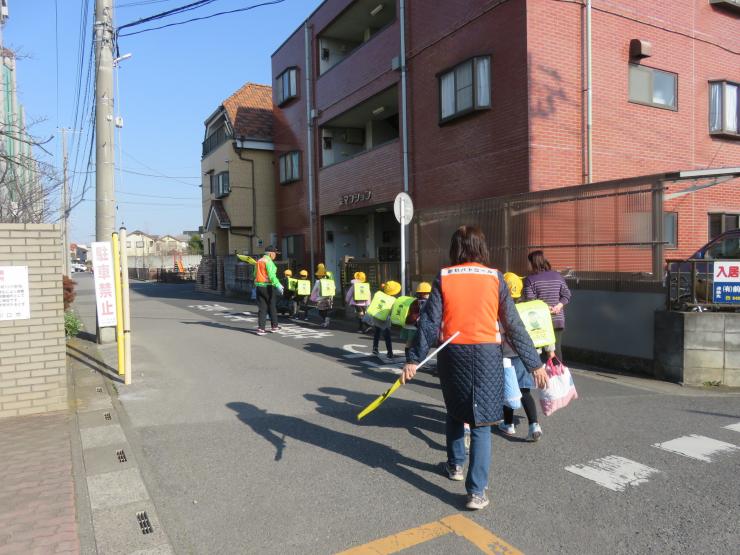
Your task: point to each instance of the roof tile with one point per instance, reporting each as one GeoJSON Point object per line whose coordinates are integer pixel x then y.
{"type": "Point", "coordinates": [250, 112]}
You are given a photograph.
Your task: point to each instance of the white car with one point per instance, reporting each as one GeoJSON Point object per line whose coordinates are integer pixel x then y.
{"type": "Point", "coordinates": [79, 268]}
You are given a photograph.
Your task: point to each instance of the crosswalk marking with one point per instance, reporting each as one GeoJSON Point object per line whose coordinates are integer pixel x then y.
{"type": "Point", "coordinates": [734, 427]}
{"type": "Point", "coordinates": [613, 472]}
{"type": "Point", "coordinates": [697, 447]}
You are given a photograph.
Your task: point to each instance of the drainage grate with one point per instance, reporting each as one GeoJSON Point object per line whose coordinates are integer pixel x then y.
{"type": "Point", "coordinates": [121, 454]}
{"type": "Point", "coordinates": [144, 524]}
{"type": "Point", "coordinates": [106, 416]}
{"type": "Point", "coordinates": [99, 389]}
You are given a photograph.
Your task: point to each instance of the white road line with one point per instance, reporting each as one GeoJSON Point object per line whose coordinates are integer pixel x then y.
{"type": "Point", "coordinates": [697, 447]}
{"type": "Point", "coordinates": [613, 472]}
{"type": "Point", "coordinates": [733, 427]}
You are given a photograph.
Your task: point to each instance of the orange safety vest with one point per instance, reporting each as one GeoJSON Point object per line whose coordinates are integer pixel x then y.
{"type": "Point", "coordinates": [261, 276]}
{"type": "Point", "coordinates": [470, 300]}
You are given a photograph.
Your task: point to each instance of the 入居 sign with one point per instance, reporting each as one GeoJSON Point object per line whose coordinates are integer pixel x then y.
{"type": "Point", "coordinates": [727, 282]}
{"type": "Point", "coordinates": [14, 301]}
{"type": "Point", "coordinates": [105, 293]}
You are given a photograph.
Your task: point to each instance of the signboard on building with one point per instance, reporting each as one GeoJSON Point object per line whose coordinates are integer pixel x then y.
{"type": "Point", "coordinates": [14, 301]}
{"type": "Point", "coordinates": [105, 293]}
{"type": "Point", "coordinates": [727, 282]}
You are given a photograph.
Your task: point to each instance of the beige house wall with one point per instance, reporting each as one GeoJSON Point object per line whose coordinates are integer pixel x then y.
{"type": "Point", "coordinates": [133, 239]}
{"type": "Point", "coordinates": [238, 203]}
{"type": "Point", "coordinates": [33, 372]}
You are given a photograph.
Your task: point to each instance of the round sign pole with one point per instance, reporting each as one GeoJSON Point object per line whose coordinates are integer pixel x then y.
{"type": "Point", "coordinates": [403, 208]}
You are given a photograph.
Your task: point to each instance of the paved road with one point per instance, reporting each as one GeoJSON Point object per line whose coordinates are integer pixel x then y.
{"type": "Point", "coordinates": [250, 445]}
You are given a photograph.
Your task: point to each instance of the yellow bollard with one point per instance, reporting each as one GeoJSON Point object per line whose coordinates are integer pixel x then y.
{"type": "Point", "coordinates": [119, 305]}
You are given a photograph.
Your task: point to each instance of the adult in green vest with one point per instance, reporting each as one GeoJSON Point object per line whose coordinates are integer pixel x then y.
{"type": "Point", "coordinates": [268, 288]}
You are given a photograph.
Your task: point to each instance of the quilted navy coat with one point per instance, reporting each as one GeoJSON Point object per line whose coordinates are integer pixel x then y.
{"type": "Point", "coordinates": [472, 376]}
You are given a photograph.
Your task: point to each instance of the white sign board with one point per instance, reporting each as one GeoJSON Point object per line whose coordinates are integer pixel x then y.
{"type": "Point", "coordinates": [14, 302]}
{"type": "Point", "coordinates": [403, 208]}
{"type": "Point", "coordinates": [105, 291]}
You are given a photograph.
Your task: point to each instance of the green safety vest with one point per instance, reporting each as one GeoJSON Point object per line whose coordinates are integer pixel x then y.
{"type": "Point", "coordinates": [536, 318]}
{"type": "Point", "coordinates": [327, 287]}
{"type": "Point", "coordinates": [400, 310]}
{"type": "Point", "coordinates": [380, 307]}
{"type": "Point", "coordinates": [304, 287]}
{"type": "Point", "coordinates": [362, 292]}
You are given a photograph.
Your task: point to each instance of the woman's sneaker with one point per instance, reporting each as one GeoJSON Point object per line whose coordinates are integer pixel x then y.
{"type": "Point", "coordinates": [260, 331]}
{"type": "Point", "coordinates": [454, 472]}
{"type": "Point", "coordinates": [507, 429]}
{"type": "Point", "coordinates": [535, 432]}
{"type": "Point", "coordinates": [477, 501]}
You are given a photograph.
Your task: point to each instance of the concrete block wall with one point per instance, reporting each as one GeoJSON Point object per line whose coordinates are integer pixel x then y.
{"type": "Point", "coordinates": [33, 375]}
{"type": "Point", "coordinates": [695, 348]}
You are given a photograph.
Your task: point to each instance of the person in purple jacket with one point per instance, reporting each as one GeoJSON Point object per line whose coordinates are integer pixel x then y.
{"type": "Point", "coordinates": [547, 285]}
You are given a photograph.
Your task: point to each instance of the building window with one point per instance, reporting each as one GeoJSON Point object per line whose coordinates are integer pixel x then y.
{"type": "Point", "coordinates": [290, 167]}
{"type": "Point", "coordinates": [128, 244]}
{"type": "Point", "coordinates": [287, 85]}
{"type": "Point", "coordinates": [653, 87]}
{"type": "Point", "coordinates": [219, 136]}
{"type": "Point", "coordinates": [670, 229]}
{"type": "Point", "coordinates": [139, 244]}
{"type": "Point", "coordinates": [220, 184]}
{"type": "Point", "coordinates": [723, 108]}
{"type": "Point", "coordinates": [465, 88]}
{"type": "Point", "coordinates": [719, 223]}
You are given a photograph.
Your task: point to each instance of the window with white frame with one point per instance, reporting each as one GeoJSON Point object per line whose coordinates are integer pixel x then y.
{"type": "Point", "coordinates": [287, 85]}
{"type": "Point", "coordinates": [653, 87]}
{"type": "Point", "coordinates": [290, 167]}
{"type": "Point", "coordinates": [465, 88]}
{"type": "Point", "coordinates": [724, 102]}
{"type": "Point", "coordinates": [220, 184]}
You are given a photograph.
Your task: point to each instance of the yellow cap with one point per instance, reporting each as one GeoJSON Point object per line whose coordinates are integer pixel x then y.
{"type": "Point", "coordinates": [288, 273]}
{"type": "Point", "coordinates": [515, 284]}
{"type": "Point", "coordinates": [391, 288]}
{"type": "Point", "coordinates": [424, 287]}
{"type": "Point", "coordinates": [360, 276]}
{"type": "Point", "coordinates": [303, 273]}
{"type": "Point", "coordinates": [320, 270]}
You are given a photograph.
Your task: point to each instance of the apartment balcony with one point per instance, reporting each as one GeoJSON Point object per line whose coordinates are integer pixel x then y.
{"type": "Point", "coordinates": [356, 49]}
{"type": "Point", "coordinates": [368, 125]}
{"type": "Point", "coordinates": [730, 4]}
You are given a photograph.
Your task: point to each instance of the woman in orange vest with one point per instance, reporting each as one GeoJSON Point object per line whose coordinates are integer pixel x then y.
{"type": "Point", "coordinates": [471, 298]}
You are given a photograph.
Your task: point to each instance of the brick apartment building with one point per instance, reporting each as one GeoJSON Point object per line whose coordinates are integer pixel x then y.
{"type": "Point", "coordinates": [497, 105]}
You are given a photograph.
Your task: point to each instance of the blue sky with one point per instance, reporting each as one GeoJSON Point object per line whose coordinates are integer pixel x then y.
{"type": "Point", "coordinates": [175, 79]}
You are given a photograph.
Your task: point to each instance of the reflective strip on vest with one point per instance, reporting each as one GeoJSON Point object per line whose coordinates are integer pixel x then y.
{"type": "Point", "coordinates": [470, 299]}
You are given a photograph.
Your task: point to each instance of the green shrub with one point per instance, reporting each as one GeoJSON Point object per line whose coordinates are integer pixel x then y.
{"type": "Point", "coordinates": [72, 324]}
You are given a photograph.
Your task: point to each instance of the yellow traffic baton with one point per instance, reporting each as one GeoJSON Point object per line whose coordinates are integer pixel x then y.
{"type": "Point", "coordinates": [247, 259]}
{"type": "Point", "coordinates": [379, 401]}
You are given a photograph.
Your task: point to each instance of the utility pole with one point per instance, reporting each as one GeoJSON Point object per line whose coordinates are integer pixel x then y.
{"type": "Point", "coordinates": [65, 206]}
{"type": "Point", "coordinates": [105, 202]}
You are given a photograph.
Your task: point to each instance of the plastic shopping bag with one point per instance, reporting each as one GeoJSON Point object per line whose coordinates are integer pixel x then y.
{"type": "Point", "coordinates": [561, 389]}
{"type": "Point", "coordinates": [512, 393]}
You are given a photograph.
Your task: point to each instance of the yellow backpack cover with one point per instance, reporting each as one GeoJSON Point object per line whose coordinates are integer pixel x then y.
{"type": "Point", "coordinates": [292, 284]}
{"type": "Point", "coordinates": [362, 292]}
{"type": "Point", "coordinates": [536, 318]}
{"type": "Point", "coordinates": [327, 287]}
{"type": "Point", "coordinates": [381, 305]}
{"type": "Point", "coordinates": [400, 310]}
{"type": "Point", "coordinates": [304, 287]}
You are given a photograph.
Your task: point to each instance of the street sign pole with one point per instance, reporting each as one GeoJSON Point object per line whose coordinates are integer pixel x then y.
{"type": "Point", "coordinates": [403, 208]}
{"type": "Point", "coordinates": [403, 247]}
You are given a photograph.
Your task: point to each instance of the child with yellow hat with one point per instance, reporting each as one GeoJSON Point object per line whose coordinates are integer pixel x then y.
{"type": "Point", "coordinates": [408, 332]}
{"type": "Point", "coordinates": [383, 327]}
{"type": "Point", "coordinates": [323, 293]}
{"type": "Point", "coordinates": [358, 296]}
{"type": "Point", "coordinates": [523, 377]}
{"type": "Point", "coordinates": [302, 294]}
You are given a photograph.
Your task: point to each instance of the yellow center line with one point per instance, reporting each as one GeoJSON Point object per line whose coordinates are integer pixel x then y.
{"type": "Point", "coordinates": [461, 526]}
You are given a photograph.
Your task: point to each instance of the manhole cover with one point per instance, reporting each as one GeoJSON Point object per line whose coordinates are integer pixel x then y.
{"type": "Point", "coordinates": [144, 524]}
{"type": "Point", "coordinates": [121, 454]}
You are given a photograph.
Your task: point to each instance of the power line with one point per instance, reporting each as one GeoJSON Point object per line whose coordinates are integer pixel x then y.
{"type": "Point", "coordinates": [247, 8]}
{"type": "Point", "coordinates": [144, 203]}
{"type": "Point", "coordinates": [153, 196]}
{"type": "Point", "coordinates": [140, 3]}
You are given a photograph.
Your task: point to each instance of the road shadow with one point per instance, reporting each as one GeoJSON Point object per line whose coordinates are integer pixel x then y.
{"type": "Point", "coordinates": [93, 363]}
{"type": "Point", "coordinates": [415, 417]}
{"type": "Point", "coordinates": [425, 378]}
{"type": "Point", "coordinates": [274, 428]}
{"type": "Point", "coordinates": [709, 413]}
